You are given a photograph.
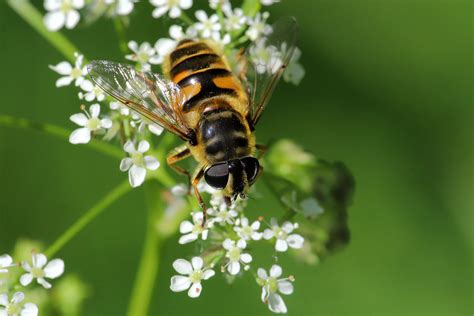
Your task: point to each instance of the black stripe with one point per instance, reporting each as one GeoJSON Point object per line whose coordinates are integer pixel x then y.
{"type": "Point", "coordinates": [195, 63]}
{"type": "Point", "coordinates": [208, 88]}
{"type": "Point", "coordinates": [241, 142]}
{"type": "Point", "coordinates": [214, 148]}
{"type": "Point", "coordinates": [187, 50]}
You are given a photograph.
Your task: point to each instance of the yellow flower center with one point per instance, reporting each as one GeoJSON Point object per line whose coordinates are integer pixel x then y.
{"type": "Point", "coordinates": [195, 276]}
{"type": "Point", "coordinates": [93, 124]}
{"type": "Point", "coordinates": [234, 254]}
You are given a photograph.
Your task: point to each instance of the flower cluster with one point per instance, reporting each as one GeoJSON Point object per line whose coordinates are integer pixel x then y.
{"type": "Point", "coordinates": [14, 301]}
{"type": "Point", "coordinates": [226, 238]}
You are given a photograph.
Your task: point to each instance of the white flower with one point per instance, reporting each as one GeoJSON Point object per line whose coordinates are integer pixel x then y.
{"type": "Point", "coordinates": [5, 262]}
{"type": "Point", "coordinates": [92, 92]}
{"type": "Point", "coordinates": [15, 307]}
{"type": "Point", "coordinates": [271, 285]}
{"type": "Point", "coordinates": [269, 2]}
{"type": "Point", "coordinates": [207, 25]}
{"type": "Point", "coordinates": [235, 255]}
{"type": "Point", "coordinates": [265, 59]}
{"type": "Point", "coordinates": [193, 230]}
{"type": "Point", "coordinates": [180, 189]}
{"type": "Point", "coordinates": [221, 41]}
{"type": "Point", "coordinates": [41, 269]}
{"type": "Point", "coordinates": [173, 6]}
{"type": "Point", "coordinates": [235, 19]}
{"type": "Point", "coordinates": [137, 163]}
{"type": "Point", "coordinates": [215, 3]}
{"type": "Point", "coordinates": [71, 73]}
{"type": "Point", "coordinates": [143, 54]}
{"type": "Point", "coordinates": [119, 107]}
{"type": "Point", "coordinates": [90, 123]}
{"type": "Point", "coordinates": [223, 215]}
{"type": "Point", "coordinates": [246, 231]}
{"type": "Point", "coordinates": [121, 7]}
{"type": "Point", "coordinates": [258, 26]}
{"type": "Point", "coordinates": [62, 13]}
{"type": "Point", "coordinates": [164, 46]}
{"type": "Point", "coordinates": [193, 275]}
{"type": "Point", "coordinates": [283, 235]}
{"type": "Point", "coordinates": [294, 72]}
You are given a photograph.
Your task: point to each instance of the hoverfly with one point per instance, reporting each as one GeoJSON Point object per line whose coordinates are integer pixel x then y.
{"type": "Point", "coordinates": [203, 101]}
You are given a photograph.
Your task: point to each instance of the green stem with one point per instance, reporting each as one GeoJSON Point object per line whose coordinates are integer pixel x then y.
{"type": "Point", "coordinates": [150, 258]}
{"type": "Point", "coordinates": [35, 19]}
{"type": "Point", "coordinates": [98, 145]}
{"type": "Point", "coordinates": [120, 29]}
{"type": "Point", "coordinates": [87, 217]}
{"type": "Point", "coordinates": [186, 19]}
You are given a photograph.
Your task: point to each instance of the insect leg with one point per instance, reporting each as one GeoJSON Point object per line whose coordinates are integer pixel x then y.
{"type": "Point", "coordinates": [197, 176]}
{"type": "Point", "coordinates": [179, 153]}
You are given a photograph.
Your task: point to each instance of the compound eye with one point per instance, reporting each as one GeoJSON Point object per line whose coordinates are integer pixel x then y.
{"type": "Point", "coordinates": [251, 167]}
{"type": "Point", "coordinates": [217, 175]}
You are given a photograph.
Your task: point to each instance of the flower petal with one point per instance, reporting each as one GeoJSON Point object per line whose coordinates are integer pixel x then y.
{"type": "Point", "coordinates": [126, 163]}
{"type": "Point", "coordinates": [155, 129]}
{"type": "Point", "coordinates": [5, 260]}
{"type": "Point", "coordinates": [63, 68]}
{"type": "Point", "coordinates": [208, 274]}
{"type": "Point", "coordinates": [262, 274]}
{"type": "Point", "coordinates": [195, 290]}
{"type": "Point", "coordinates": [64, 81]}
{"type": "Point", "coordinates": [4, 299]}
{"type": "Point", "coordinates": [246, 258]}
{"type": "Point", "coordinates": [18, 297]}
{"type": "Point", "coordinates": [185, 4]}
{"type": "Point", "coordinates": [44, 283]}
{"type": "Point", "coordinates": [151, 162]}
{"type": "Point", "coordinates": [179, 283]}
{"type": "Point", "coordinates": [182, 266]}
{"type": "Point", "coordinates": [228, 244]}
{"type": "Point", "coordinates": [175, 12]}
{"type": "Point", "coordinates": [268, 234]}
{"type": "Point", "coordinates": [185, 239]}
{"type": "Point", "coordinates": [233, 267]}
{"type": "Point", "coordinates": [54, 20]}
{"type": "Point", "coordinates": [136, 175]}
{"type": "Point", "coordinates": [158, 12]}
{"type": "Point", "coordinates": [72, 18]}
{"type": "Point", "coordinates": [275, 271]}
{"type": "Point", "coordinates": [143, 146]}
{"type": "Point", "coordinates": [29, 309]}
{"type": "Point", "coordinates": [276, 304]}
{"type": "Point", "coordinates": [80, 136]}
{"type": "Point", "coordinates": [285, 287]}
{"type": "Point", "coordinates": [39, 260]}
{"type": "Point", "coordinates": [26, 279]}
{"type": "Point", "coordinates": [185, 227]}
{"type": "Point", "coordinates": [287, 227]}
{"type": "Point", "coordinates": [106, 123]}
{"type": "Point", "coordinates": [295, 241]}
{"type": "Point", "coordinates": [197, 263]}
{"type": "Point", "coordinates": [54, 268]}
{"type": "Point", "coordinates": [79, 118]}
{"type": "Point", "coordinates": [94, 109]}
{"type": "Point", "coordinates": [129, 147]}
{"type": "Point", "coordinates": [281, 245]}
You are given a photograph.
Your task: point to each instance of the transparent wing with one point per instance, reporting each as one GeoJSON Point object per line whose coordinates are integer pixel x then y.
{"type": "Point", "coordinates": [155, 98]}
{"type": "Point", "coordinates": [266, 61]}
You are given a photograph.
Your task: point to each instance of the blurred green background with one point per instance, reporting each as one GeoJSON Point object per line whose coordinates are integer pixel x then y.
{"type": "Point", "coordinates": [388, 91]}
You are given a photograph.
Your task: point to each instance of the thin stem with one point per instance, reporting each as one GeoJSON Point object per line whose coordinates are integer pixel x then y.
{"type": "Point", "coordinates": [60, 132]}
{"type": "Point", "coordinates": [289, 213]}
{"type": "Point", "coordinates": [186, 19]}
{"type": "Point", "coordinates": [35, 19]}
{"type": "Point", "coordinates": [87, 217]}
{"type": "Point", "coordinates": [150, 259]}
{"type": "Point", "coordinates": [120, 29]}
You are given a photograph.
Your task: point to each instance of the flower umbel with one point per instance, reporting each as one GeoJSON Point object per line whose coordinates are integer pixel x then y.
{"type": "Point", "coordinates": [40, 269]}
{"type": "Point", "coordinates": [235, 255]}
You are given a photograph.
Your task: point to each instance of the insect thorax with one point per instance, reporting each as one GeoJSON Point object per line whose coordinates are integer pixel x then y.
{"type": "Point", "coordinates": [225, 136]}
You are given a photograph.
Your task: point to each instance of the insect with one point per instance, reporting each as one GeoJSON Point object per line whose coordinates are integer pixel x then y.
{"type": "Point", "coordinates": [213, 108]}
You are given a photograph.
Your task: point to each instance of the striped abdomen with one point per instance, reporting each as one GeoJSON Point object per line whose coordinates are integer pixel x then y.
{"type": "Point", "coordinates": [202, 74]}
